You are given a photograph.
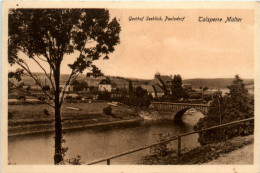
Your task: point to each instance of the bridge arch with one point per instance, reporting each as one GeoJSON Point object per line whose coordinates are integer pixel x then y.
{"type": "Point", "coordinates": [176, 110]}
{"type": "Point", "coordinates": [179, 113]}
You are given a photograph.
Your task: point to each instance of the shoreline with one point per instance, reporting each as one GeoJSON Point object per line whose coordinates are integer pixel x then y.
{"type": "Point", "coordinates": [77, 127]}
{"type": "Point", "coordinates": [35, 118]}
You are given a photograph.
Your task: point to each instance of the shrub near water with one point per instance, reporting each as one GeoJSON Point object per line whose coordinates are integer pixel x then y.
{"type": "Point", "coordinates": [235, 105]}
{"type": "Point", "coordinates": [107, 110]}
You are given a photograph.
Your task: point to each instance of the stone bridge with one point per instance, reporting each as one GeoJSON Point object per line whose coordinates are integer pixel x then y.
{"type": "Point", "coordinates": [178, 109]}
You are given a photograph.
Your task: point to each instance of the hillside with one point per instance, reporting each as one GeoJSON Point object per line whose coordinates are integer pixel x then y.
{"type": "Point", "coordinates": [123, 82]}
{"type": "Point", "coordinates": [214, 83]}
{"type": "Point", "coordinates": [120, 81]}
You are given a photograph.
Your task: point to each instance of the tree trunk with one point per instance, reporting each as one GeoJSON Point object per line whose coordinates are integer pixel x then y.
{"type": "Point", "coordinates": [58, 136]}
{"type": "Point", "coordinates": [58, 127]}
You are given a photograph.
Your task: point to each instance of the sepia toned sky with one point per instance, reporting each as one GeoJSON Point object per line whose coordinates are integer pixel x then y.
{"type": "Point", "coordinates": [190, 48]}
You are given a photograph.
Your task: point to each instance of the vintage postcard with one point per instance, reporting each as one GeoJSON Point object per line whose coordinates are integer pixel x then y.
{"type": "Point", "coordinates": [130, 87]}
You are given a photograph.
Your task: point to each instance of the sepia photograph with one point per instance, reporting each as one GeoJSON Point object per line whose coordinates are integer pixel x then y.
{"type": "Point", "coordinates": [163, 86]}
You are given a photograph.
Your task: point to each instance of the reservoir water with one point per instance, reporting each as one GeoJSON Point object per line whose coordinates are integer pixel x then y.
{"type": "Point", "coordinates": [99, 143]}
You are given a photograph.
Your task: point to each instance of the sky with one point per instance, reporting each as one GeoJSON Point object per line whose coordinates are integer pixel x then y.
{"type": "Point", "coordinates": [190, 48]}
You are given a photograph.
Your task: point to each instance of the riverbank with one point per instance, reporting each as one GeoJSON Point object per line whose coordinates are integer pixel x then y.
{"type": "Point", "coordinates": [38, 118]}
{"type": "Point", "coordinates": [207, 154]}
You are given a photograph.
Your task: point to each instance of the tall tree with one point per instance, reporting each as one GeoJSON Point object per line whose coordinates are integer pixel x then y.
{"type": "Point", "coordinates": [177, 89]}
{"type": "Point", "coordinates": [130, 87]}
{"type": "Point", "coordinates": [237, 104]}
{"type": "Point", "coordinates": [46, 36]}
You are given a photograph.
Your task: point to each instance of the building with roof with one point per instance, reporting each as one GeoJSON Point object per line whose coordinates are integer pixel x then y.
{"type": "Point", "coordinates": [106, 85]}
{"type": "Point", "coordinates": [162, 81]}
{"type": "Point", "coordinates": [157, 91]}
{"type": "Point", "coordinates": [160, 86]}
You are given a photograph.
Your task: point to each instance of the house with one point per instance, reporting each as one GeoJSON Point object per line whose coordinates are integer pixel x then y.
{"type": "Point", "coordinates": [149, 89]}
{"type": "Point", "coordinates": [161, 85]}
{"type": "Point", "coordinates": [164, 81]}
{"type": "Point", "coordinates": [155, 90]}
{"type": "Point", "coordinates": [105, 85]}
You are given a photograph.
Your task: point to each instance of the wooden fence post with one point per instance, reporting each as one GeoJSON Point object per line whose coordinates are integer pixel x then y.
{"type": "Point", "coordinates": [179, 146]}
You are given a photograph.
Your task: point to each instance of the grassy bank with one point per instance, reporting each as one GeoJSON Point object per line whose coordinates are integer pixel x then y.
{"type": "Point", "coordinates": [201, 154]}
{"type": "Point", "coordinates": [34, 118]}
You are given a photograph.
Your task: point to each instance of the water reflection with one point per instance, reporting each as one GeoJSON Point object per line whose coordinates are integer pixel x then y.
{"type": "Point", "coordinates": [102, 142]}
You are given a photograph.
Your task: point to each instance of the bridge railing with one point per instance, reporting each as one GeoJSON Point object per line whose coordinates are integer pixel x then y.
{"type": "Point", "coordinates": [174, 103]}
{"type": "Point", "coordinates": [108, 159]}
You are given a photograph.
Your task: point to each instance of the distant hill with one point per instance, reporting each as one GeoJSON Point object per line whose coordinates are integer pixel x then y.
{"type": "Point", "coordinates": [124, 82]}
{"type": "Point", "coordinates": [120, 81]}
{"type": "Point", "coordinates": [63, 78]}
{"type": "Point", "coordinates": [214, 83]}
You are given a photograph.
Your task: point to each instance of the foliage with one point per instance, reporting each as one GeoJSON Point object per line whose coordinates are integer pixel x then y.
{"type": "Point", "coordinates": [20, 85]}
{"type": "Point", "coordinates": [10, 86]}
{"type": "Point", "coordinates": [140, 92]}
{"type": "Point", "coordinates": [139, 97]}
{"type": "Point", "coordinates": [46, 112]}
{"type": "Point", "coordinates": [162, 154]}
{"type": "Point", "coordinates": [46, 87]}
{"type": "Point", "coordinates": [46, 36]}
{"type": "Point", "coordinates": [122, 91]}
{"type": "Point", "coordinates": [79, 86]}
{"type": "Point", "coordinates": [17, 75]}
{"type": "Point", "coordinates": [107, 110]}
{"type": "Point", "coordinates": [161, 150]}
{"type": "Point", "coordinates": [202, 154]}
{"type": "Point", "coordinates": [93, 89]}
{"type": "Point", "coordinates": [28, 89]}
{"type": "Point", "coordinates": [207, 97]}
{"type": "Point", "coordinates": [235, 105]}
{"type": "Point", "coordinates": [130, 87]}
{"type": "Point", "coordinates": [205, 89]}
{"type": "Point", "coordinates": [194, 95]}
{"type": "Point", "coordinates": [177, 90]}
{"type": "Point", "coordinates": [72, 161]}
{"type": "Point", "coordinates": [104, 95]}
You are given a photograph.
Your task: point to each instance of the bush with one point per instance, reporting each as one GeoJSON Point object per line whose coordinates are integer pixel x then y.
{"type": "Point", "coordinates": [75, 160]}
{"type": "Point", "coordinates": [46, 112]}
{"type": "Point", "coordinates": [107, 110]}
{"type": "Point", "coordinates": [72, 161]}
{"type": "Point", "coordinates": [104, 95]}
{"type": "Point", "coordinates": [207, 97]}
{"type": "Point", "coordinates": [161, 150]}
{"type": "Point", "coordinates": [162, 154]}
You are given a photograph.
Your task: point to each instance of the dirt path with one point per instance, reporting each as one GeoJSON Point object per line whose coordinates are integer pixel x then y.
{"type": "Point", "coordinates": [242, 156]}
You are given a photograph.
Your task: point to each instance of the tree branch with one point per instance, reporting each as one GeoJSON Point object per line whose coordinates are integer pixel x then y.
{"type": "Point", "coordinates": [35, 78]}
{"type": "Point", "coordinates": [65, 87]}
{"type": "Point", "coordinates": [49, 77]}
{"type": "Point", "coordinates": [73, 72]}
{"type": "Point", "coordinates": [42, 59]}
